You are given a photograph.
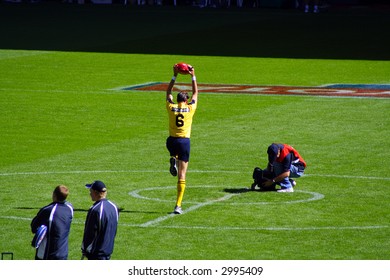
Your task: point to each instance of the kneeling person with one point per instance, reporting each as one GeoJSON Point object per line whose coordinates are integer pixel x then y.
{"type": "Point", "coordinates": [284, 163]}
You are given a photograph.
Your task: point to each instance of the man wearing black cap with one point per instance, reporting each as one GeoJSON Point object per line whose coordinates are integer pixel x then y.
{"type": "Point", "coordinates": [284, 162]}
{"type": "Point", "coordinates": [100, 225]}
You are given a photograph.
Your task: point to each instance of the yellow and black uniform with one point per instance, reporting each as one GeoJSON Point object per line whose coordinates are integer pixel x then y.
{"type": "Point", "coordinates": [178, 142]}
{"type": "Point", "coordinates": [180, 122]}
{"type": "Point", "coordinates": [180, 118]}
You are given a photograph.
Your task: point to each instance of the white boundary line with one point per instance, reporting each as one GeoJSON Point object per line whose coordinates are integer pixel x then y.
{"type": "Point", "coordinates": [155, 222]}
{"type": "Point", "coordinates": [135, 194]}
{"type": "Point", "coordinates": [347, 176]}
{"type": "Point", "coordinates": [192, 208]}
{"type": "Point", "coordinates": [32, 173]}
{"type": "Point", "coordinates": [227, 227]}
{"type": "Point", "coordinates": [271, 228]}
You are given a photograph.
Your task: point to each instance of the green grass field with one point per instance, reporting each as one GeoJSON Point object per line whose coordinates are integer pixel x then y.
{"type": "Point", "coordinates": [64, 121]}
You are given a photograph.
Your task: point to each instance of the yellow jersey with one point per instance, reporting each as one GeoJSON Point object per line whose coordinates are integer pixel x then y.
{"type": "Point", "coordinates": [180, 118]}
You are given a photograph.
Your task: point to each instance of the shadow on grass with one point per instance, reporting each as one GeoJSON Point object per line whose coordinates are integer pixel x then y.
{"type": "Point", "coordinates": [245, 190]}
{"type": "Point", "coordinates": [241, 190]}
{"type": "Point", "coordinates": [121, 210]}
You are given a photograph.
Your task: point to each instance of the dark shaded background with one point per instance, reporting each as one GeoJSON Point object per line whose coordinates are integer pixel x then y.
{"type": "Point", "coordinates": [358, 31]}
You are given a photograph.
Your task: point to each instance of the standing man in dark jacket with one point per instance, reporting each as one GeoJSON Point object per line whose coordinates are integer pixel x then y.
{"type": "Point", "coordinates": [100, 225]}
{"type": "Point", "coordinates": [57, 217]}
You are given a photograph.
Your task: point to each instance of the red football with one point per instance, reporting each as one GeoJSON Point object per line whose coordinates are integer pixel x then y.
{"type": "Point", "coordinates": [183, 68]}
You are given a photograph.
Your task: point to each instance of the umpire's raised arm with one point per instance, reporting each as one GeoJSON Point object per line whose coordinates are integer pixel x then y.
{"type": "Point", "coordinates": [194, 97]}
{"type": "Point", "coordinates": [169, 96]}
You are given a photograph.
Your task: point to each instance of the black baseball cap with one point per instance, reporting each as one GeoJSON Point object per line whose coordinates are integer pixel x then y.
{"type": "Point", "coordinates": [97, 186]}
{"type": "Point", "coordinates": [272, 152]}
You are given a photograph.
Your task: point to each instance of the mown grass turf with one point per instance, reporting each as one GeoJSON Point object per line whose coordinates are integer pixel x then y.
{"type": "Point", "coordinates": [64, 121]}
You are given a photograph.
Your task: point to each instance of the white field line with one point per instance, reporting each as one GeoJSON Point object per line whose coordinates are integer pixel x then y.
{"type": "Point", "coordinates": [271, 228]}
{"type": "Point", "coordinates": [347, 176]}
{"type": "Point", "coordinates": [32, 173]}
{"type": "Point", "coordinates": [155, 222]}
{"type": "Point", "coordinates": [136, 194]}
{"type": "Point", "coordinates": [228, 228]}
{"type": "Point", "coordinates": [192, 208]}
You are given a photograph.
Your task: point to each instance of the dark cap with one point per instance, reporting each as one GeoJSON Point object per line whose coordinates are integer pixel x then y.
{"type": "Point", "coordinates": [272, 152]}
{"type": "Point", "coordinates": [97, 186]}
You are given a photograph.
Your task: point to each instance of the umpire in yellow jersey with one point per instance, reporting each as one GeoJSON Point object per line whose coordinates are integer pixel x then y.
{"type": "Point", "coordinates": [180, 122]}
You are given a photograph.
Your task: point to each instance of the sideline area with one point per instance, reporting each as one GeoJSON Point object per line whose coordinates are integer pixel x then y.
{"type": "Point", "coordinates": [358, 32]}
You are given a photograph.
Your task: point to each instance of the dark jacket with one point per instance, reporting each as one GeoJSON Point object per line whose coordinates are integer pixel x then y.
{"type": "Point", "coordinates": [57, 216]}
{"type": "Point", "coordinates": [100, 230]}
